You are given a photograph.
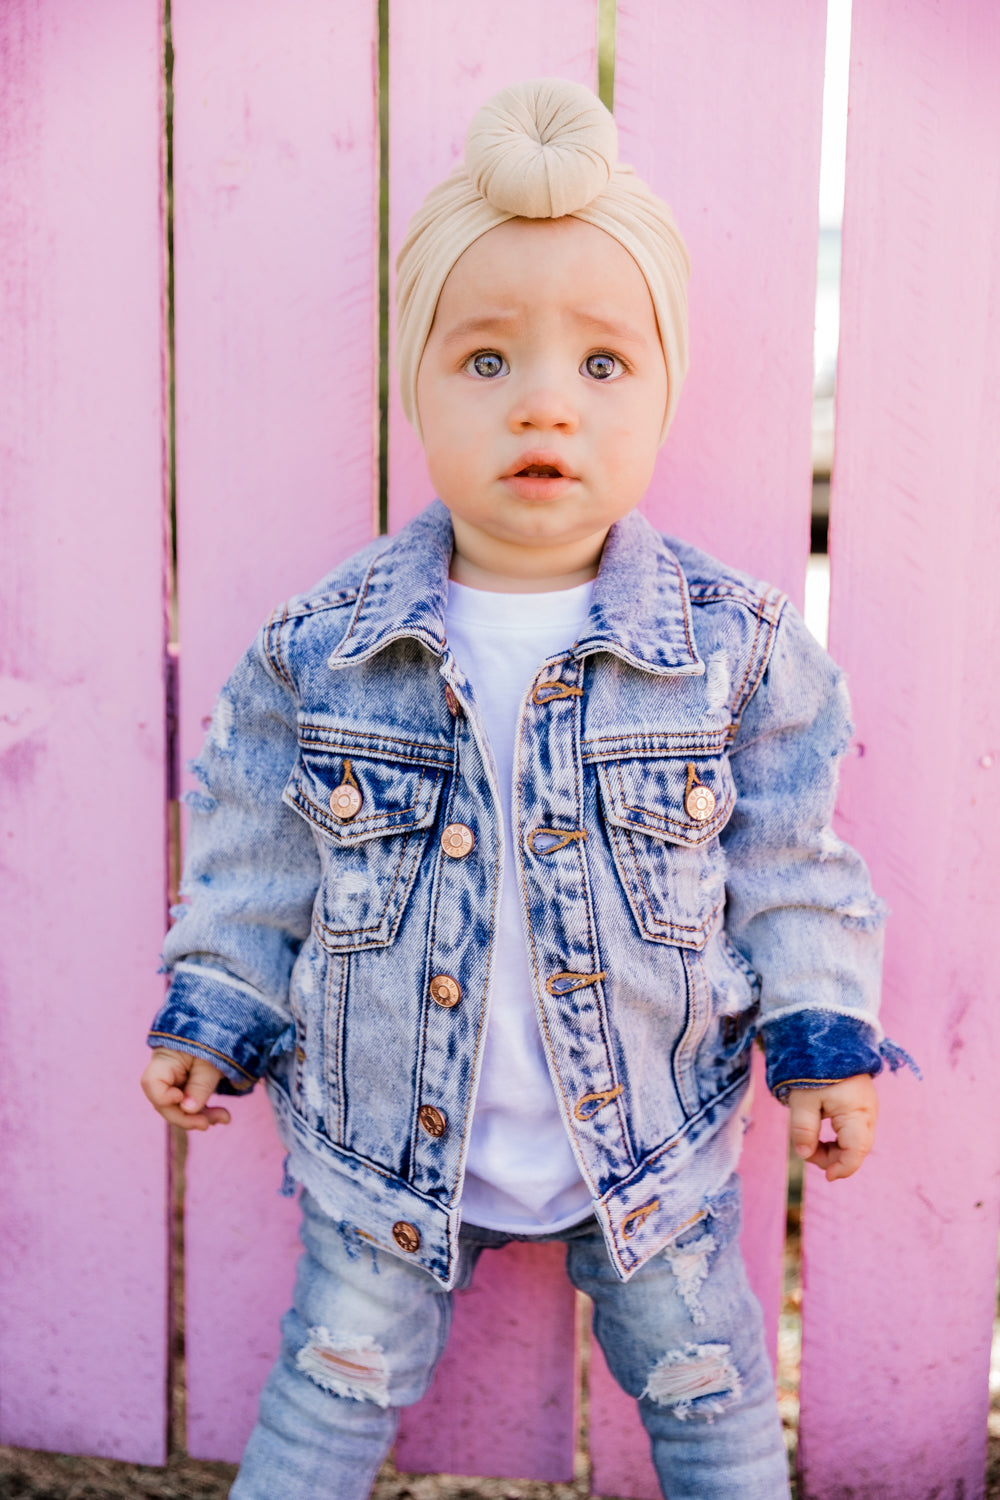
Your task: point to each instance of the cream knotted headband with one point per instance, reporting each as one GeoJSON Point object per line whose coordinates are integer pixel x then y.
{"type": "Point", "coordinates": [540, 150]}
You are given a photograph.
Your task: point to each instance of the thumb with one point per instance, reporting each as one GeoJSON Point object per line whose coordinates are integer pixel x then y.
{"type": "Point", "coordinates": [202, 1082]}
{"type": "Point", "coordinates": [805, 1107]}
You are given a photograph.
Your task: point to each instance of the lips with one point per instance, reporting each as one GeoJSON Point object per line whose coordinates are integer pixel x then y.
{"type": "Point", "coordinates": [537, 464]}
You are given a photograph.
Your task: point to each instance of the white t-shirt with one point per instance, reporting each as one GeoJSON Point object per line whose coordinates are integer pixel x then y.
{"type": "Point", "coordinates": [521, 1174]}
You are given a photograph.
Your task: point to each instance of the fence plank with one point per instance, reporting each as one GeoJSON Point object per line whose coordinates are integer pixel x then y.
{"type": "Point", "coordinates": [276, 232]}
{"type": "Point", "coordinates": [720, 108]}
{"type": "Point", "coordinates": [515, 1322]}
{"type": "Point", "coordinates": [445, 60]}
{"type": "Point", "coordinates": [446, 57]}
{"type": "Point", "coordinates": [83, 1234]}
{"type": "Point", "coordinates": [901, 1261]}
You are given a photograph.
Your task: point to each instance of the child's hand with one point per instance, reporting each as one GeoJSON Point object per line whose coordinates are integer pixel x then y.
{"type": "Point", "coordinates": [851, 1106]}
{"type": "Point", "coordinates": [179, 1086]}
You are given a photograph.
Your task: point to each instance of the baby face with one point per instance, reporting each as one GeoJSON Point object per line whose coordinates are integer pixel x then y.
{"type": "Point", "coordinates": [541, 395]}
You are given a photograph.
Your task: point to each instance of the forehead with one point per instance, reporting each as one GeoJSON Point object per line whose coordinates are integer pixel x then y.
{"type": "Point", "coordinates": [528, 263]}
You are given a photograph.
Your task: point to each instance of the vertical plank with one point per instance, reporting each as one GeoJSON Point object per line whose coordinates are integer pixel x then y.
{"type": "Point", "coordinates": [446, 57]}
{"type": "Point", "coordinates": [445, 60]}
{"type": "Point", "coordinates": [514, 1322]}
{"type": "Point", "coordinates": [901, 1261]}
{"type": "Point", "coordinates": [720, 109]}
{"type": "Point", "coordinates": [83, 1229]}
{"type": "Point", "coordinates": [276, 232]}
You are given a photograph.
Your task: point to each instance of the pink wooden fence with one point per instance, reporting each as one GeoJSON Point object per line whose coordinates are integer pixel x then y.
{"type": "Point", "coordinates": [275, 183]}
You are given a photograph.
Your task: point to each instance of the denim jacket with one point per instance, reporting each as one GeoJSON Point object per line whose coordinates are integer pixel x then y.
{"type": "Point", "coordinates": [682, 888]}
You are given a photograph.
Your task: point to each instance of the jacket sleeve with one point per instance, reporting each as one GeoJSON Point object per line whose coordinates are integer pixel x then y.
{"type": "Point", "coordinates": [251, 871]}
{"type": "Point", "coordinates": [800, 907]}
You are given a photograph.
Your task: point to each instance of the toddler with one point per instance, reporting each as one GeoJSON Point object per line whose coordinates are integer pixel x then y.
{"type": "Point", "coordinates": [515, 833]}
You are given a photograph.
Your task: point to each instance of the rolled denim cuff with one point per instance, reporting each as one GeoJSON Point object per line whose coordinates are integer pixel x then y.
{"type": "Point", "coordinates": [222, 1023]}
{"type": "Point", "coordinates": [811, 1047]}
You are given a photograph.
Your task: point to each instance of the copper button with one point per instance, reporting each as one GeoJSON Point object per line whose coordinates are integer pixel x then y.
{"type": "Point", "coordinates": [345, 801]}
{"type": "Point", "coordinates": [432, 1120]}
{"type": "Point", "coordinates": [700, 803]}
{"type": "Point", "coordinates": [407, 1236]}
{"type": "Point", "coordinates": [445, 990]}
{"type": "Point", "coordinates": [457, 840]}
{"type": "Point", "coordinates": [454, 707]}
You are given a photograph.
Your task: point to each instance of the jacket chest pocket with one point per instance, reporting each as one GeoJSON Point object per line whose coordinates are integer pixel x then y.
{"type": "Point", "coordinates": [371, 819]}
{"type": "Point", "coordinates": [663, 816]}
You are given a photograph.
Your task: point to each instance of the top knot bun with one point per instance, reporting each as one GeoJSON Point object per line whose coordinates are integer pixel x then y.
{"type": "Point", "coordinates": [542, 149]}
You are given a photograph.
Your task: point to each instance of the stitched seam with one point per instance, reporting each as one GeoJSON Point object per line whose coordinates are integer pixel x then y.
{"type": "Point", "coordinates": [363, 595]}
{"type": "Point", "coordinates": [489, 970]}
{"type": "Point", "coordinates": [402, 812]}
{"type": "Point", "coordinates": [308, 807]}
{"type": "Point", "coordinates": [750, 661]}
{"type": "Point", "coordinates": [764, 659]}
{"type": "Point", "coordinates": [426, 1001]}
{"type": "Point", "coordinates": [345, 969]}
{"type": "Point", "coordinates": [684, 606]}
{"type": "Point", "coordinates": [274, 647]}
{"type": "Point", "coordinates": [699, 1018]}
{"type": "Point", "coordinates": [376, 926]}
{"type": "Point", "coordinates": [329, 601]}
{"type": "Point", "coordinates": [648, 741]}
{"type": "Point", "coordinates": [430, 967]}
{"type": "Point", "coordinates": [666, 921]}
{"type": "Point", "coordinates": [206, 1048]}
{"type": "Point", "coordinates": [267, 643]}
{"type": "Point", "coordinates": [707, 828]}
{"type": "Point", "coordinates": [685, 1131]}
{"type": "Point", "coordinates": [585, 1171]}
{"type": "Point", "coordinates": [273, 663]}
{"type": "Point", "coordinates": [374, 740]}
{"type": "Point", "coordinates": [282, 665]}
{"type": "Point", "coordinates": [591, 931]}
{"type": "Point", "coordinates": [791, 1083]}
{"type": "Point", "coordinates": [741, 700]}
{"type": "Point", "coordinates": [343, 750]}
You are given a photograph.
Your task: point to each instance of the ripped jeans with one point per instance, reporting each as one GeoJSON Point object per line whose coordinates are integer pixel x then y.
{"type": "Point", "coordinates": [684, 1337]}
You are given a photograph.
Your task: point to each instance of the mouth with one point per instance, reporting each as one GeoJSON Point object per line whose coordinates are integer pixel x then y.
{"type": "Point", "coordinates": [536, 465]}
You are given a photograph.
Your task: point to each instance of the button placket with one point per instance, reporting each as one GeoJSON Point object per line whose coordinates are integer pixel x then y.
{"type": "Point", "coordinates": [570, 972]}
{"type": "Point", "coordinates": [458, 966]}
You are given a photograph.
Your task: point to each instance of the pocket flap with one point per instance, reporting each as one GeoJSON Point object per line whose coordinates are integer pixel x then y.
{"type": "Point", "coordinates": [683, 800]}
{"type": "Point", "coordinates": [394, 798]}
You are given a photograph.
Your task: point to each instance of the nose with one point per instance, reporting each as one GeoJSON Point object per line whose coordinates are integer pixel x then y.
{"type": "Point", "coordinates": [546, 405]}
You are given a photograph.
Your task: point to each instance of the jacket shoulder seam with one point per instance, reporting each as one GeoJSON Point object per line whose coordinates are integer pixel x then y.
{"type": "Point", "coordinates": [769, 613]}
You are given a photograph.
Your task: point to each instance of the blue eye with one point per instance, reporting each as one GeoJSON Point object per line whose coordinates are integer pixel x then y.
{"type": "Point", "coordinates": [488, 364]}
{"type": "Point", "coordinates": [602, 366]}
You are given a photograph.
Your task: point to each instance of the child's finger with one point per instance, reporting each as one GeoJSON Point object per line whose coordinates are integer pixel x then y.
{"type": "Point", "coordinates": [855, 1134]}
{"type": "Point", "coordinates": [806, 1115]}
{"type": "Point", "coordinates": [202, 1082]}
{"type": "Point", "coordinates": [163, 1078]}
{"type": "Point", "coordinates": [204, 1120]}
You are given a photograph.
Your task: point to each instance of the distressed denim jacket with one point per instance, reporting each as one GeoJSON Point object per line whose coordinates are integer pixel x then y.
{"type": "Point", "coordinates": [681, 886]}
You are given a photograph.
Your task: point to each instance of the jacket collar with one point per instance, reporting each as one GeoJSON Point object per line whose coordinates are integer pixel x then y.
{"type": "Point", "coordinates": [640, 612]}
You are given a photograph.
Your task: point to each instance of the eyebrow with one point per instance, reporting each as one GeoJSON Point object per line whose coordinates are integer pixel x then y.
{"type": "Point", "coordinates": [501, 321]}
{"type": "Point", "coordinates": [484, 323]}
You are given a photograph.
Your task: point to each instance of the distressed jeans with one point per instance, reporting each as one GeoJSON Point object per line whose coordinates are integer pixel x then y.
{"type": "Point", "coordinates": [684, 1337]}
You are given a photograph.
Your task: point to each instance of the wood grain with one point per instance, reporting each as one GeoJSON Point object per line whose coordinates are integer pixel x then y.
{"type": "Point", "coordinates": [720, 109]}
{"type": "Point", "coordinates": [900, 1262]}
{"type": "Point", "coordinates": [276, 234]}
{"type": "Point", "coordinates": [83, 1228]}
